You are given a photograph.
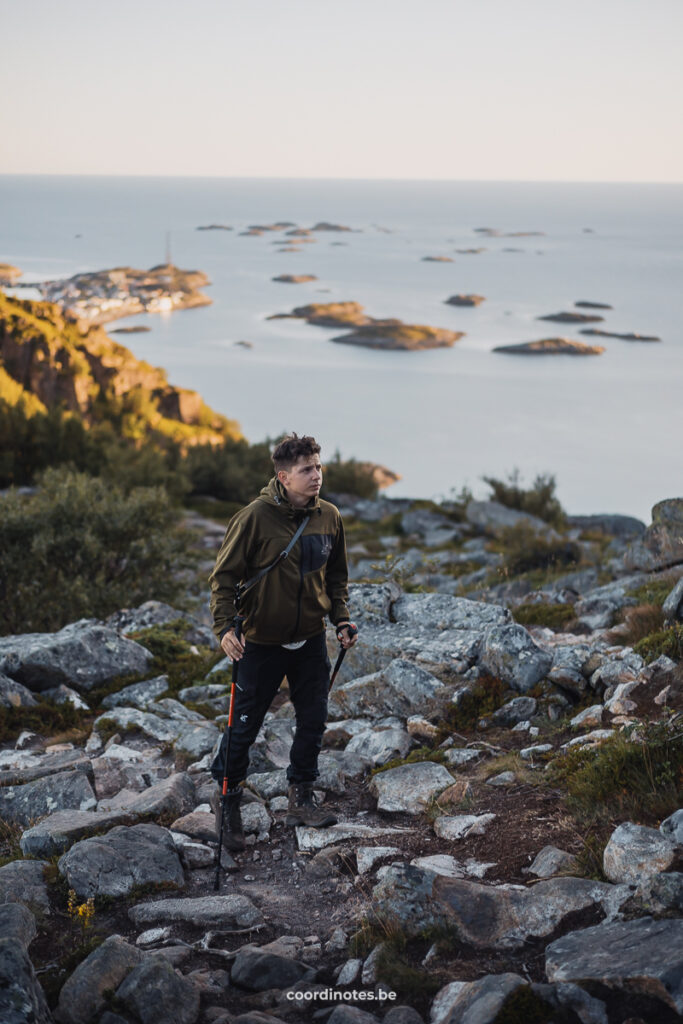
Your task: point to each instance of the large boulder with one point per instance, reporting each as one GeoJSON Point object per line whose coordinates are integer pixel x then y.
{"type": "Point", "coordinates": [156, 613]}
{"type": "Point", "coordinates": [223, 912]}
{"type": "Point", "coordinates": [488, 916]}
{"type": "Point", "coordinates": [39, 765]}
{"type": "Point", "coordinates": [138, 695]}
{"type": "Point", "coordinates": [634, 853]}
{"type": "Point", "coordinates": [491, 517]}
{"type": "Point", "coordinates": [14, 694]}
{"type": "Point", "coordinates": [662, 543]}
{"type": "Point", "coordinates": [83, 995]}
{"type": "Point", "coordinates": [23, 881]}
{"type": "Point", "coordinates": [510, 654]}
{"type": "Point", "coordinates": [59, 831]}
{"type": "Point", "coordinates": [401, 689]}
{"type": "Point", "coordinates": [62, 791]}
{"type": "Point", "coordinates": [633, 958]}
{"type": "Point", "coordinates": [673, 604]}
{"type": "Point", "coordinates": [154, 991]}
{"type": "Point", "coordinates": [480, 1002]}
{"type": "Point", "coordinates": [121, 860]}
{"type": "Point", "coordinates": [22, 1000]}
{"type": "Point", "coordinates": [84, 654]}
{"type": "Point", "coordinates": [260, 969]}
{"type": "Point", "coordinates": [410, 787]}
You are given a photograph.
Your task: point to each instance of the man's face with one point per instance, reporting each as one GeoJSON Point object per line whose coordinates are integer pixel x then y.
{"type": "Point", "coordinates": [304, 480]}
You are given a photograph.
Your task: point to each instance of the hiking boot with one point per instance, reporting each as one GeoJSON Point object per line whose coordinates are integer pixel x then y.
{"type": "Point", "coordinates": [233, 833]}
{"type": "Point", "coordinates": [303, 808]}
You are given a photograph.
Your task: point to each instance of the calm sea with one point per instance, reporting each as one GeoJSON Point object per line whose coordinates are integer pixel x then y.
{"type": "Point", "coordinates": [608, 427]}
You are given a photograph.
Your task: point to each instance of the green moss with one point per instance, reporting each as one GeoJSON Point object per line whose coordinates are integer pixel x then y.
{"type": "Point", "coordinates": [45, 718]}
{"type": "Point", "coordinates": [665, 641]}
{"type": "Point", "coordinates": [409, 982]}
{"type": "Point", "coordinates": [554, 616]}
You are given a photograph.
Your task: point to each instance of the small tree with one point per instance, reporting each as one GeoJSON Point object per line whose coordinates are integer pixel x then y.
{"type": "Point", "coordinates": [81, 547]}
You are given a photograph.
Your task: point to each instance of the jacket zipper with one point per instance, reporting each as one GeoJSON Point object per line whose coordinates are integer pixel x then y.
{"type": "Point", "coordinates": [299, 596]}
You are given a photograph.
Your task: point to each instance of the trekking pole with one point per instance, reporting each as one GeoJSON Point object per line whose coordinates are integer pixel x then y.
{"type": "Point", "coordinates": [352, 631]}
{"type": "Point", "coordinates": [228, 736]}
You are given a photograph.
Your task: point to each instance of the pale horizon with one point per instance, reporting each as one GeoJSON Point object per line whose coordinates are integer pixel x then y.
{"type": "Point", "coordinates": [435, 90]}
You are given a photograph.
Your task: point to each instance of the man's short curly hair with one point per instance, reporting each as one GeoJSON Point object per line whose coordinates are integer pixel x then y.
{"type": "Point", "coordinates": [291, 448]}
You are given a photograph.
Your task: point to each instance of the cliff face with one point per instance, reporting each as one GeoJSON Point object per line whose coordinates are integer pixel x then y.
{"type": "Point", "coordinates": [57, 362]}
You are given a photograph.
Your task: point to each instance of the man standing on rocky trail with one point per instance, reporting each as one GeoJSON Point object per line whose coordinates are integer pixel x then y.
{"type": "Point", "coordinates": [284, 627]}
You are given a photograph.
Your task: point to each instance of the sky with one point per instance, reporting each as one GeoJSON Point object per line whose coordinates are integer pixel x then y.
{"type": "Point", "coordinates": [528, 90]}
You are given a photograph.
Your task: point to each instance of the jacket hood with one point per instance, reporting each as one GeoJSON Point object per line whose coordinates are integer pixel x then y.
{"type": "Point", "coordinates": [275, 494]}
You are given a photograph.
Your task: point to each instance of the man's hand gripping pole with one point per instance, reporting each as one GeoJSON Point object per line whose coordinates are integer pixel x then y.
{"type": "Point", "coordinates": [352, 630]}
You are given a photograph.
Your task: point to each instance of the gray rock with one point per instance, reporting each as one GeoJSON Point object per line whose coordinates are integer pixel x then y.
{"type": "Point", "coordinates": [41, 765]}
{"type": "Point", "coordinates": [566, 671]}
{"type": "Point", "coordinates": [662, 543]}
{"type": "Point", "coordinates": [156, 613]}
{"type": "Point", "coordinates": [509, 653]}
{"type": "Point", "coordinates": [660, 894]}
{"type": "Point", "coordinates": [368, 856]}
{"type": "Point", "coordinates": [14, 695]}
{"type": "Point", "coordinates": [480, 1002]}
{"type": "Point", "coordinates": [410, 787]}
{"type": "Point", "coordinates": [635, 852]}
{"type": "Point", "coordinates": [486, 916]}
{"type": "Point", "coordinates": [197, 740]}
{"type": "Point", "coordinates": [223, 912]}
{"type": "Point", "coordinates": [154, 991]}
{"type": "Point", "coordinates": [125, 719]}
{"type": "Point", "coordinates": [380, 745]}
{"type": "Point", "coordinates": [23, 881]}
{"type": "Point", "coordinates": [441, 612]}
{"type": "Point", "coordinates": [172, 796]}
{"type": "Point", "coordinates": [529, 753]}
{"type": "Point", "coordinates": [517, 710]}
{"type": "Point", "coordinates": [257, 970]}
{"type": "Point", "coordinates": [114, 864]}
{"type": "Point", "coordinates": [17, 924]}
{"type": "Point", "coordinates": [199, 825]}
{"type": "Point", "coordinates": [205, 692]}
{"type": "Point", "coordinates": [673, 604]}
{"type": "Point", "coordinates": [623, 527]}
{"type": "Point", "coordinates": [351, 1015]}
{"type": "Point", "coordinates": [642, 957]}
{"type": "Point", "coordinates": [402, 1015]}
{"type": "Point", "coordinates": [444, 1000]}
{"type": "Point", "coordinates": [596, 612]}
{"type": "Point", "coordinates": [459, 756]}
{"type": "Point", "coordinates": [56, 833]}
{"type": "Point", "coordinates": [138, 695]}
{"type": "Point", "coordinates": [503, 779]}
{"type": "Point", "coordinates": [82, 996]}
{"type": "Point", "coordinates": [22, 1000]}
{"type": "Point", "coordinates": [591, 716]}
{"type": "Point", "coordinates": [61, 791]}
{"type": "Point", "coordinates": [673, 827]}
{"type": "Point", "coordinates": [270, 784]}
{"type": "Point", "coordinates": [400, 689]}
{"type": "Point", "coordinates": [573, 1000]}
{"type": "Point", "coordinates": [493, 518]}
{"type": "Point", "coordinates": [84, 655]}
{"type": "Point", "coordinates": [460, 826]}
{"type": "Point", "coordinates": [317, 838]}
{"type": "Point", "coordinates": [551, 861]}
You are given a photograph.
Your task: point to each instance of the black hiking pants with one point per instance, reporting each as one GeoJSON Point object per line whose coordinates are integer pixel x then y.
{"type": "Point", "coordinates": [260, 672]}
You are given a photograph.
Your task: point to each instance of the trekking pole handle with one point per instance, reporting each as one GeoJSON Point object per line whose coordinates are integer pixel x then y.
{"type": "Point", "coordinates": [349, 627]}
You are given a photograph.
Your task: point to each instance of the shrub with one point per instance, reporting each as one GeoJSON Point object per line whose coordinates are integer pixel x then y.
{"type": "Point", "coordinates": [631, 776]}
{"type": "Point", "coordinates": [664, 641]}
{"type": "Point", "coordinates": [349, 477]}
{"type": "Point", "coordinates": [234, 471]}
{"type": "Point", "coordinates": [80, 548]}
{"type": "Point", "coordinates": [485, 697]}
{"type": "Point", "coordinates": [538, 500]}
{"type": "Point", "coordinates": [525, 549]}
{"type": "Point", "coordinates": [639, 622]}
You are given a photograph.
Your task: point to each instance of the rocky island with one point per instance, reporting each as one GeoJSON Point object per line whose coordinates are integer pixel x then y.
{"type": "Point", "coordinates": [437, 259]}
{"type": "Point", "coordinates": [465, 300]}
{"type": "Point", "coordinates": [105, 295]}
{"type": "Point", "coordinates": [584, 304]}
{"type": "Point", "coordinates": [571, 318]}
{"type": "Point", "coordinates": [379, 334]}
{"type": "Point", "coordinates": [551, 347]}
{"type": "Point", "coordinates": [295, 278]}
{"type": "Point", "coordinates": [624, 337]}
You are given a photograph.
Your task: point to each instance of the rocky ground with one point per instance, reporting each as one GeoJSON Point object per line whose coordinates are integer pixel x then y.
{"type": "Point", "coordinates": [504, 755]}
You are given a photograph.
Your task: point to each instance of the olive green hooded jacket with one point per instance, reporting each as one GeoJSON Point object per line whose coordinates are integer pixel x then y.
{"type": "Point", "coordinates": [290, 603]}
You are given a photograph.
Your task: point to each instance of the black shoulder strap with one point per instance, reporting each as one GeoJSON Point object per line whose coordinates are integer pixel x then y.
{"type": "Point", "coordinates": [242, 588]}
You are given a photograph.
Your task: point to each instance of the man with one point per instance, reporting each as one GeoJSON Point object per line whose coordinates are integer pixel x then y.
{"type": "Point", "coordinates": [284, 627]}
